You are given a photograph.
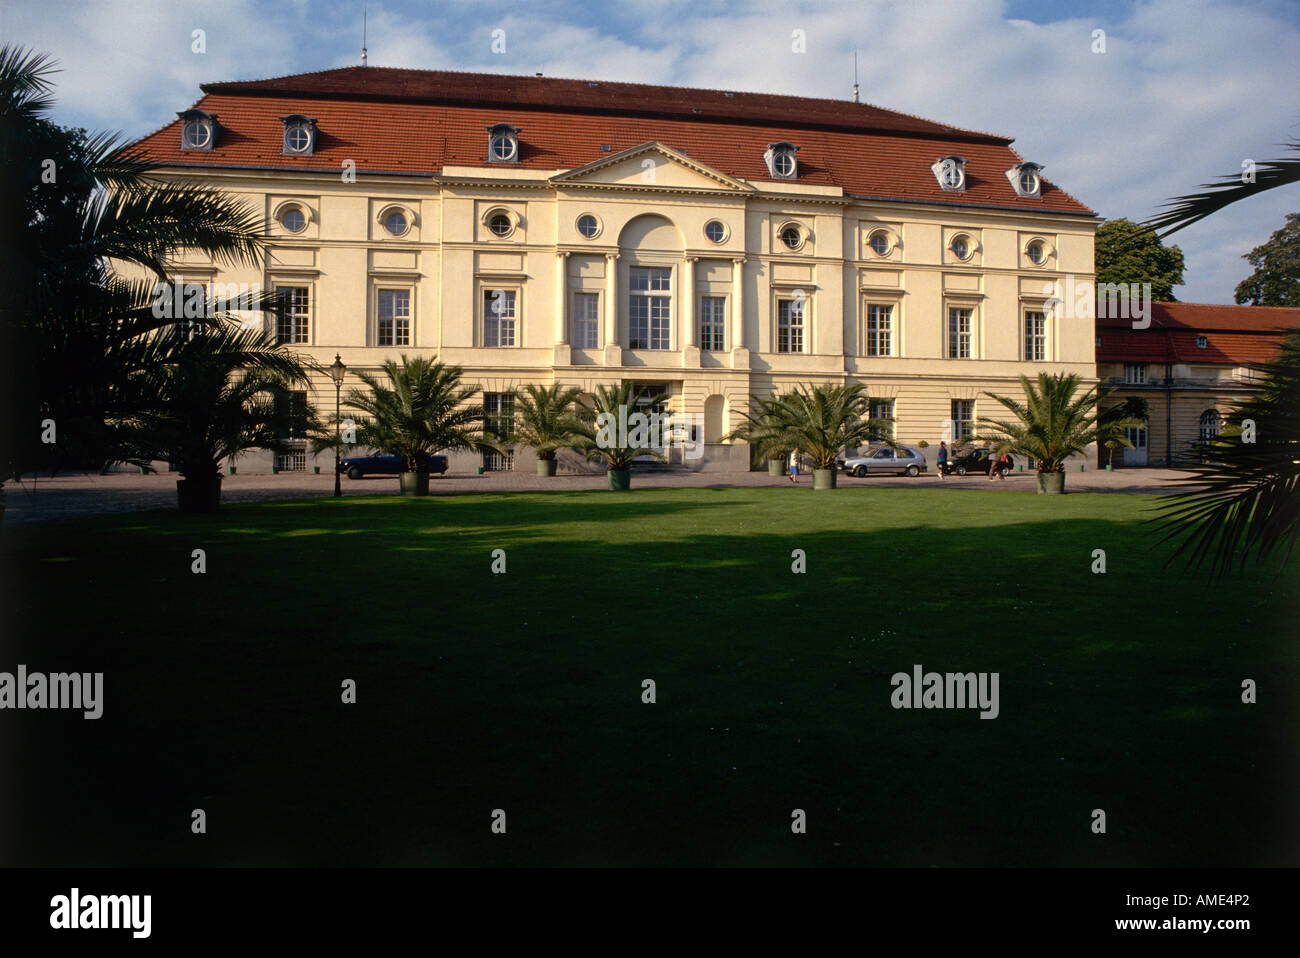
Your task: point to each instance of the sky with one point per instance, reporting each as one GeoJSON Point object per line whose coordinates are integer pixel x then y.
{"type": "Point", "coordinates": [1185, 90]}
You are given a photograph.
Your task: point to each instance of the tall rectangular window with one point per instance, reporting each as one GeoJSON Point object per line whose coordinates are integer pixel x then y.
{"type": "Point", "coordinates": [790, 325]}
{"type": "Point", "coordinates": [586, 320]}
{"type": "Point", "coordinates": [394, 317]}
{"type": "Point", "coordinates": [1135, 374]}
{"type": "Point", "coordinates": [880, 330]}
{"type": "Point", "coordinates": [291, 410]}
{"type": "Point", "coordinates": [713, 322]}
{"type": "Point", "coordinates": [963, 419]}
{"type": "Point", "coordinates": [292, 321]}
{"type": "Point", "coordinates": [883, 410]}
{"type": "Point", "coordinates": [499, 317]}
{"type": "Point", "coordinates": [499, 415]}
{"type": "Point", "coordinates": [959, 332]}
{"type": "Point", "coordinates": [650, 307]}
{"type": "Point", "coordinates": [1035, 337]}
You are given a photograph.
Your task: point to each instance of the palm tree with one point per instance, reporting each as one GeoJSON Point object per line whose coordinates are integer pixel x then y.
{"type": "Point", "coordinates": [70, 328]}
{"type": "Point", "coordinates": [820, 421]}
{"type": "Point", "coordinates": [204, 397]}
{"type": "Point", "coordinates": [761, 429]}
{"type": "Point", "coordinates": [607, 433]}
{"type": "Point", "coordinates": [1052, 424]}
{"type": "Point", "coordinates": [421, 409]}
{"type": "Point", "coordinates": [547, 421]}
{"type": "Point", "coordinates": [1245, 498]}
{"type": "Point", "coordinates": [1183, 211]}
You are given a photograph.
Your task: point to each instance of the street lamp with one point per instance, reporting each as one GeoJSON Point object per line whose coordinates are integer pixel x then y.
{"type": "Point", "coordinates": [337, 372]}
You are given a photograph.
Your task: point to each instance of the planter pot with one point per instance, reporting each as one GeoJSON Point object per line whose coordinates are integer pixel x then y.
{"type": "Point", "coordinates": [1051, 483]}
{"type": "Point", "coordinates": [230, 469]}
{"type": "Point", "coordinates": [1108, 467]}
{"type": "Point", "coordinates": [1081, 467]}
{"type": "Point", "coordinates": [823, 478]}
{"type": "Point", "coordinates": [144, 471]}
{"type": "Point", "coordinates": [316, 470]}
{"type": "Point", "coordinates": [1020, 468]}
{"type": "Point", "coordinates": [775, 467]}
{"type": "Point", "coordinates": [415, 484]}
{"type": "Point", "coordinates": [620, 480]}
{"type": "Point", "coordinates": [546, 467]}
{"type": "Point", "coordinates": [275, 470]}
{"type": "Point", "coordinates": [199, 495]}
{"type": "Point", "coordinates": [479, 470]}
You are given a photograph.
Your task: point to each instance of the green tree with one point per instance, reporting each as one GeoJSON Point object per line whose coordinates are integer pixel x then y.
{"type": "Point", "coordinates": [1244, 499]}
{"type": "Point", "coordinates": [600, 435]}
{"type": "Point", "coordinates": [205, 396]}
{"type": "Point", "coordinates": [1276, 280]}
{"type": "Point", "coordinates": [1128, 252]}
{"type": "Point", "coordinates": [422, 408]}
{"type": "Point", "coordinates": [1053, 422]}
{"type": "Point", "coordinates": [546, 420]}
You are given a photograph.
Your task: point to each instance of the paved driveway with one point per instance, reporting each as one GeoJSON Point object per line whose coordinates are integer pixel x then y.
{"type": "Point", "coordinates": [71, 495]}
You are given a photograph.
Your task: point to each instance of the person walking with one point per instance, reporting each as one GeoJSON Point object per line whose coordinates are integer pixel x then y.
{"type": "Point", "coordinates": [1005, 463]}
{"type": "Point", "coordinates": [794, 467]}
{"type": "Point", "coordinates": [943, 457]}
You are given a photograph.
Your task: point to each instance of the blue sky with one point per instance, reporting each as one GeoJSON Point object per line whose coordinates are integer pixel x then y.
{"type": "Point", "coordinates": [1186, 90]}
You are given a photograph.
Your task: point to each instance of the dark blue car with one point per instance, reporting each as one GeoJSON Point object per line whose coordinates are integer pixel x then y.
{"type": "Point", "coordinates": [385, 464]}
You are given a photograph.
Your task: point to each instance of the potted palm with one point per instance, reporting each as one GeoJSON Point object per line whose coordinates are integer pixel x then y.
{"type": "Point", "coordinates": [206, 398]}
{"type": "Point", "coordinates": [546, 420]}
{"type": "Point", "coordinates": [820, 421]}
{"type": "Point", "coordinates": [1051, 424]}
{"type": "Point", "coordinates": [415, 409]}
{"type": "Point", "coordinates": [605, 433]}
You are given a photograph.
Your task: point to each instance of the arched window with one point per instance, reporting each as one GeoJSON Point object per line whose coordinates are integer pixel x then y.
{"type": "Point", "coordinates": [1211, 423]}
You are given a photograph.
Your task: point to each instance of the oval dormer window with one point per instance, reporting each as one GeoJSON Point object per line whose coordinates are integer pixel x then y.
{"type": "Point", "coordinates": [503, 143]}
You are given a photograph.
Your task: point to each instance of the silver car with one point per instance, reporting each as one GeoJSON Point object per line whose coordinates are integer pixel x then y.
{"type": "Point", "coordinates": [883, 460]}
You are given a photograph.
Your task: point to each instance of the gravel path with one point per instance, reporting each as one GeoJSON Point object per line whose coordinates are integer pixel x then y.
{"type": "Point", "coordinates": [75, 495]}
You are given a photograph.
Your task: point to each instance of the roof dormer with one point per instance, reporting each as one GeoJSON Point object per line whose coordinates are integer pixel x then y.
{"type": "Point", "coordinates": [503, 143]}
{"type": "Point", "coordinates": [950, 171]}
{"type": "Point", "coordinates": [299, 135]}
{"type": "Point", "coordinates": [198, 130]}
{"type": "Point", "coordinates": [1025, 179]}
{"type": "Point", "coordinates": [781, 161]}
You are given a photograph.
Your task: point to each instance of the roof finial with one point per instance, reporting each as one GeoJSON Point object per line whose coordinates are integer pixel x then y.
{"type": "Point", "coordinates": [364, 11]}
{"type": "Point", "coordinates": [855, 75]}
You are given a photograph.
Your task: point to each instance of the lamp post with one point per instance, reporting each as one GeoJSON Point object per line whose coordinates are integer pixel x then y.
{"type": "Point", "coordinates": [337, 372]}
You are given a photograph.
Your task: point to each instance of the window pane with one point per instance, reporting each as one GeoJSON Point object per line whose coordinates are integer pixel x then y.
{"type": "Point", "coordinates": [586, 320]}
{"type": "Point", "coordinates": [712, 322]}
{"type": "Point", "coordinates": [291, 324]}
{"type": "Point", "coordinates": [959, 333]}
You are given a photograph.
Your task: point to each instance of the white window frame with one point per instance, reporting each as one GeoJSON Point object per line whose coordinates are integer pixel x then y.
{"type": "Point", "coordinates": [1037, 340]}
{"type": "Point", "coordinates": [380, 289]}
{"type": "Point", "coordinates": [871, 339]}
{"type": "Point", "coordinates": [658, 328]}
{"type": "Point", "coordinates": [578, 321]}
{"type": "Point", "coordinates": [487, 295]}
{"type": "Point", "coordinates": [888, 405]}
{"type": "Point", "coordinates": [717, 324]}
{"type": "Point", "coordinates": [1135, 374]}
{"type": "Point", "coordinates": [963, 427]}
{"type": "Point", "coordinates": [306, 319]}
{"type": "Point", "coordinates": [803, 328]}
{"type": "Point", "coordinates": [971, 334]}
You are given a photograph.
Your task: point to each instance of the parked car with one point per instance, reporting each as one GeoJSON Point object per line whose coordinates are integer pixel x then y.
{"type": "Point", "coordinates": [977, 460]}
{"type": "Point", "coordinates": [385, 464]}
{"type": "Point", "coordinates": [884, 460]}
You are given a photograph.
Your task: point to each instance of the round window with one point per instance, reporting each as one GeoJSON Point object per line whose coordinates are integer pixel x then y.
{"type": "Point", "coordinates": [500, 224]}
{"type": "Point", "coordinates": [1029, 182]}
{"type": "Point", "coordinates": [715, 231]}
{"type": "Point", "coordinates": [879, 243]}
{"type": "Point", "coordinates": [960, 247]}
{"type": "Point", "coordinates": [792, 236]}
{"type": "Point", "coordinates": [293, 219]}
{"type": "Point", "coordinates": [1037, 253]}
{"type": "Point", "coordinates": [503, 146]}
{"type": "Point", "coordinates": [588, 225]}
{"type": "Point", "coordinates": [783, 161]}
{"type": "Point", "coordinates": [197, 134]}
{"type": "Point", "coordinates": [297, 138]}
{"type": "Point", "coordinates": [395, 222]}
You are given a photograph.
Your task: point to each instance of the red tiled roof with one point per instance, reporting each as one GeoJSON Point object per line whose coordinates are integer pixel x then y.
{"type": "Point", "coordinates": [1234, 335]}
{"type": "Point", "coordinates": [1206, 316]}
{"type": "Point", "coordinates": [402, 121]}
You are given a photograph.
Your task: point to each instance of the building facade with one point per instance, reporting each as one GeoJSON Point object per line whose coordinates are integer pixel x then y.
{"type": "Point", "coordinates": [705, 244]}
{"type": "Point", "coordinates": [1191, 366]}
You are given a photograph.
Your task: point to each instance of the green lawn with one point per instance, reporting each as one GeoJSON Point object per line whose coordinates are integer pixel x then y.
{"type": "Point", "coordinates": [522, 691]}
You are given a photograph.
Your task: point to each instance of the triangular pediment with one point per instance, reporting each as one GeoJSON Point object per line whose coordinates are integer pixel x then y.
{"type": "Point", "coordinates": [650, 166]}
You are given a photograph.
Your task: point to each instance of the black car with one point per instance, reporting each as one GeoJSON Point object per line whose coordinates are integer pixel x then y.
{"type": "Point", "coordinates": [977, 460]}
{"type": "Point", "coordinates": [385, 464]}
